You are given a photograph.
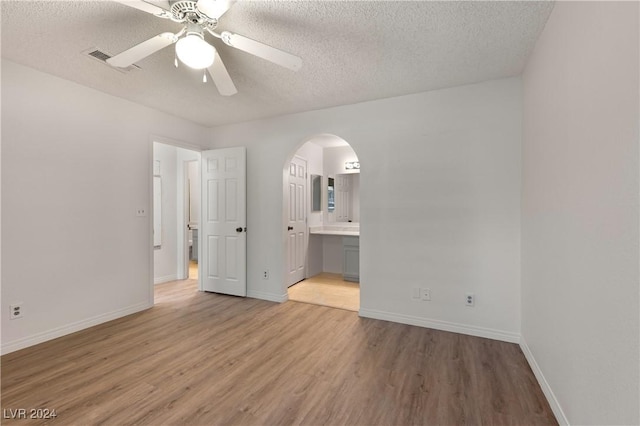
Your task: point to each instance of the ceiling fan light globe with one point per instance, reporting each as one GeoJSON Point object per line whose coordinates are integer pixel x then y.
{"type": "Point", "coordinates": [195, 52]}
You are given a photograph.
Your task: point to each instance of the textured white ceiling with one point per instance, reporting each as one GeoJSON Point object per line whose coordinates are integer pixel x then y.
{"type": "Point", "coordinates": [352, 51]}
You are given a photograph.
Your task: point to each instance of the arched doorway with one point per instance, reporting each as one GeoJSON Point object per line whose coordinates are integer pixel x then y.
{"type": "Point", "coordinates": [321, 205]}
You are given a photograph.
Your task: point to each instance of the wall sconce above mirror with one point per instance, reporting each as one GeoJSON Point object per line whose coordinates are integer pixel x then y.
{"type": "Point", "coordinates": [352, 165]}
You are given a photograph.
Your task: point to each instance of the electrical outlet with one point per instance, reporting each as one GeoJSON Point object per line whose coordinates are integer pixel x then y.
{"type": "Point", "coordinates": [15, 310]}
{"type": "Point", "coordinates": [470, 299]}
{"type": "Point", "coordinates": [141, 212]}
{"type": "Point", "coordinates": [426, 294]}
{"type": "Point", "coordinates": [265, 274]}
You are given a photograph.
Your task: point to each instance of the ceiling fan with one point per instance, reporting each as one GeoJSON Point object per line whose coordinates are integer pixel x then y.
{"type": "Point", "coordinates": [198, 17]}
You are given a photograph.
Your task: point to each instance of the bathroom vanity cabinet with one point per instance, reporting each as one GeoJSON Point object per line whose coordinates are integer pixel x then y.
{"type": "Point", "coordinates": [351, 260]}
{"type": "Point", "coordinates": [338, 248]}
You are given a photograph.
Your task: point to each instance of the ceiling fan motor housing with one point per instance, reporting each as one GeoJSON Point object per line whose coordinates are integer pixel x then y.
{"type": "Point", "coordinates": [185, 11]}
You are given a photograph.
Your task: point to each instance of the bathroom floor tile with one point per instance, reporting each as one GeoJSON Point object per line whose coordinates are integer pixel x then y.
{"type": "Point", "coordinates": [327, 290]}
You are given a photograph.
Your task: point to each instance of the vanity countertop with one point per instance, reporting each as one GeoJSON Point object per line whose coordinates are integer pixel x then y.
{"type": "Point", "coordinates": [350, 231]}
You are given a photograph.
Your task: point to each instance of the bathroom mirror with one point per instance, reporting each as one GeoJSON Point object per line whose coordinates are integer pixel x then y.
{"type": "Point", "coordinates": [345, 193]}
{"type": "Point", "coordinates": [316, 193]}
{"type": "Point", "coordinates": [331, 203]}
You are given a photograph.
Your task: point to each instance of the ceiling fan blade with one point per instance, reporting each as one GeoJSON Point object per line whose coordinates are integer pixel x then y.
{"type": "Point", "coordinates": [142, 50]}
{"type": "Point", "coordinates": [146, 7]}
{"type": "Point", "coordinates": [214, 8]}
{"type": "Point", "coordinates": [261, 50]}
{"type": "Point", "coordinates": [221, 77]}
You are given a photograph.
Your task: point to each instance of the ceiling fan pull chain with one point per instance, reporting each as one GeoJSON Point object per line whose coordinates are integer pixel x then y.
{"type": "Point", "coordinates": [175, 61]}
{"type": "Point", "coordinates": [204, 76]}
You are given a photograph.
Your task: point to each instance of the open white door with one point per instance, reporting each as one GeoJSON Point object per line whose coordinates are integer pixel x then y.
{"type": "Point", "coordinates": [223, 221]}
{"type": "Point", "coordinates": [297, 221]}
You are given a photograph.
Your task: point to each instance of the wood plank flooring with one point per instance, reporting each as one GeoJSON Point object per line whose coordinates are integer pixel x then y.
{"type": "Point", "coordinates": [206, 359]}
{"type": "Point", "coordinates": [327, 290]}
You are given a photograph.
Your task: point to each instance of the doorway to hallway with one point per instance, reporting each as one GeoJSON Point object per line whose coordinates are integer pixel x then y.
{"type": "Point", "coordinates": [176, 181]}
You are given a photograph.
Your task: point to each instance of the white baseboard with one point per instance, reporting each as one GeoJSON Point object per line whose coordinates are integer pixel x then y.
{"type": "Point", "coordinates": [45, 336]}
{"type": "Point", "coordinates": [271, 297]}
{"type": "Point", "coordinates": [165, 279]}
{"type": "Point", "coordinates": [471, 330]}
{"type": "Point", "coordinates": [544, 385]}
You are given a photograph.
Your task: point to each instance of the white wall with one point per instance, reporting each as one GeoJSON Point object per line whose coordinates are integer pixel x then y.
{"type": "Point", "coordinates": [185, 157]}
{"type": "Point", "coordinates": [580, 308]}
{"type": "Point", "coordinates": [194, 190]}
{"type": "Point", "coordinates": [165, 258]}
{"type": "Point", "coordinates": [171, 258]}
{"type": "Point", "coordinates": [440, 202]}
{"type": "Point", "coordinates": [335, 157]}
{"type": "Point", "coordinates": [334, 160]}
{"type": "Point", "coordinates": [354, 206]}
{"type": "Point", "coordinates": [76, 164]}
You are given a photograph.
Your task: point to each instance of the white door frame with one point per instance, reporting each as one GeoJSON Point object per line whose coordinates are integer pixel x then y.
{"type": "Point", "coordinates": [177, 144]}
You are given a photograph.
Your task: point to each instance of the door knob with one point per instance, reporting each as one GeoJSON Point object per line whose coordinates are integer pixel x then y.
{"type": "Point", "coordinates": [289, 228]}
{"type": "Point", "coordinates": [238, 229]}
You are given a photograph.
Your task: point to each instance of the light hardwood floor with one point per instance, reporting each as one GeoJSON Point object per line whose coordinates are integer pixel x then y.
{"type": "Point", "coordinates": [327, 290]}
{"type": "Point", "coordinates": [207, 359]}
